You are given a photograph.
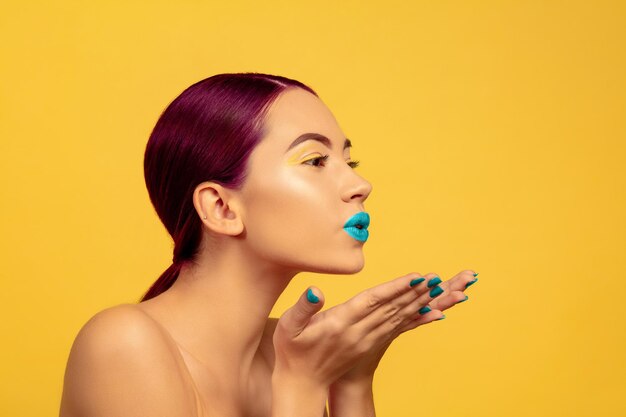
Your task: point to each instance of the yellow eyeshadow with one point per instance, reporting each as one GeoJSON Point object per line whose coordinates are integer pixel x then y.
{"type": "Point", "coordinates": [298, 158]}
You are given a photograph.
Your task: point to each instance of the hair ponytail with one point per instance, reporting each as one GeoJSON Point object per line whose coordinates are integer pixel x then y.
{"type": "Point", "coordinates": [165, 281]}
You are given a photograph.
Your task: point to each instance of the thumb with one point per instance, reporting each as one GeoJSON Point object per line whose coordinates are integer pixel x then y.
{"type": "Point", "coordinates": [296, 318]}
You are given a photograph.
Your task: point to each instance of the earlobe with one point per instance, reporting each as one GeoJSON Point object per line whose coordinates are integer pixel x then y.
{"type": "Point", "coordinates": [217, 207]}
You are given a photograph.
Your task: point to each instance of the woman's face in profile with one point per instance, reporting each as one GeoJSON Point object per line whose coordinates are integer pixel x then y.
{"type": "Point", "coordinates": [295, 200]}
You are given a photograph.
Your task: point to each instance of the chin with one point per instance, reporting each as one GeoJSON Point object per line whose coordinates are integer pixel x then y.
{"type": "Point", "coordinates": [344, 266]}
{"type": "Point", "coordinates": [328, 260]}
{"type": "Point", "coordinates": [350, 271]}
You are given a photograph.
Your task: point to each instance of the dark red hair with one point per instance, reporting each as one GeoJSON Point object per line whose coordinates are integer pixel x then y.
{"type": "Point", "coordinates": [206, 134]}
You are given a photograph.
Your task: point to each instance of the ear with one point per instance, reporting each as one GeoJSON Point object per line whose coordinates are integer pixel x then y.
{"type": "Point", "coordinates": [218, 208]}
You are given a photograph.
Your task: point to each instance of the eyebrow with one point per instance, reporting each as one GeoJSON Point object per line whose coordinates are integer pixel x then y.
{"type": "Point", "coordinates": [316, 136]}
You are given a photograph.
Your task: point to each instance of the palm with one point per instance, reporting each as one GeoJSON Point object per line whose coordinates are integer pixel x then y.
{"type": "Point", "coordinates": [453, 293]}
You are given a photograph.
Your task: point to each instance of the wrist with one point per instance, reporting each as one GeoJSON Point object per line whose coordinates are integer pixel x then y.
{"type": "Point", "coordinates": [353, 389]}
{"type": "Point", "coordinates": [297, 395]}
{"type": "Point", "coordinates": [362, 384]}
{"type": "Point", "coordinates": [348, 398]}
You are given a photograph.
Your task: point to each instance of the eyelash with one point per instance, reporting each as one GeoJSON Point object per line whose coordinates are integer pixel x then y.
{"type": "Point", "coordinates": [351, 164]}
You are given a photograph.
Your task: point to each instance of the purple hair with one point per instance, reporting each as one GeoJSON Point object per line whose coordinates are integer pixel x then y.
{"type": "Point", "coordinates": [206, 134]}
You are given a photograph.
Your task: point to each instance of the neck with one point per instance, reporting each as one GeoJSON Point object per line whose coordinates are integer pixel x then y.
{"type": "Point", "coordinates": [219, 307]}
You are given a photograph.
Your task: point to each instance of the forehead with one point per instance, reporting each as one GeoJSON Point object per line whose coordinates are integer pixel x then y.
{"type": "Point", "coordinates": [295, 112]}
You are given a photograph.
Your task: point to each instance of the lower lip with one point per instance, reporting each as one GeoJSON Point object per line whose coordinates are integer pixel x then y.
{"type": "Point", "coordinates": [359, 234]}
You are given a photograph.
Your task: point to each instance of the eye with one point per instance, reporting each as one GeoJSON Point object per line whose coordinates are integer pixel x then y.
{"type": "Point", "coordinates": [316, 161]}
{"type": "Point", "coordinates": [353, 164]}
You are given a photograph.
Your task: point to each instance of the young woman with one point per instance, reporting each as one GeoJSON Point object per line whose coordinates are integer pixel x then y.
{"type": "Point", "coordinates": [252, 176]}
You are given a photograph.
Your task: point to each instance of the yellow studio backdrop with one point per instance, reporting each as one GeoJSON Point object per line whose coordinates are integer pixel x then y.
{"type": "Point", "coordinates": [493, 133]}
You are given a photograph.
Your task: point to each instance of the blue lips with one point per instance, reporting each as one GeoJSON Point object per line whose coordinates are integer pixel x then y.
{"type": "Point", "coordinates": [357, 225]}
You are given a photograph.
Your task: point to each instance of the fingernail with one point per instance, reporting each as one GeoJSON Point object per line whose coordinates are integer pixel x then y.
{"type": "Point", "coordinates": [471, 282]}
{"type": "Point", "coordinates": [424, 310]}
{"type": "Point", "coordinates": [476, 274]}
{"type": "Point", "coordinates": [436, 291]}
{"type": "Point", "coordinates": [433, 282]}
{"type": "Point", "coordinates": [312, 297]}
{"type": "Point", "coordinates": [466, 297]}
{"type": "Point", "coordinates": [441, 318]}
{"type": "Point", "coordinates": [416, 281]}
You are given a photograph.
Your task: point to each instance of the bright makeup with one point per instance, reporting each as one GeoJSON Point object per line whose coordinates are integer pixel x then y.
{"type": "Point", "coordinates": [357, 225]}
{"type": "Point", "coordinates": [312, 297]}
{"type": "Point", "coordinates": [300, 156]}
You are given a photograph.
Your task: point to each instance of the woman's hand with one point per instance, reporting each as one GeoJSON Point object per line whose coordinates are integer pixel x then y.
{"type": "Point", "coordinates": [348, 340]}
{"type": "Point", "coordinates": [351, 394]}
{"type": "Point", "coordinates": [453, 293]}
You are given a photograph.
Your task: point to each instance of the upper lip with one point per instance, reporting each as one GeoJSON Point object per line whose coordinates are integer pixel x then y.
{"type": "Point", "coordinates": [359, 219]}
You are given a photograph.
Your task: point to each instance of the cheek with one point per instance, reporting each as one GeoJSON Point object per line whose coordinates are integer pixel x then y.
{"type": "Point", "coordinates": [289, 215]}
{"type": "Point", "coordinates": [282, 204]}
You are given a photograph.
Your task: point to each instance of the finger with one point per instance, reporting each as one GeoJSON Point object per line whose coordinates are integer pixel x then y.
{"type": "Point", "coordinates": [395, 314]}
{"type": "Point", "coordinates": [296, 318]}
{"type": "Point", "coordinates": [368, 301]}
{"type": "Point", "coordinates": [440, 303]}
{"type": "Point", "coordinates": [431, 316]}
{"type": "Point", "coordinates": [404, 307]}
{"type": "Point", "coordinates": [388, 334]}
{"type": "Point", "coordinates": [448, 299]}
{"type": "Point", "coordinates": [440, 297]}
{"type": "Point", "coordinates": [461, 281]}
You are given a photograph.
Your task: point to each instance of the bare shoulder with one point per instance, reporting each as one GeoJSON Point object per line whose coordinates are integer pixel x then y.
{"type": "Point", "coordinates": [122, 364]}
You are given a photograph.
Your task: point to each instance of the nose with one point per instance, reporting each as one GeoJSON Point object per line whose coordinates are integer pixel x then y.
{"type": "Point", "coordinates": [357, 188]}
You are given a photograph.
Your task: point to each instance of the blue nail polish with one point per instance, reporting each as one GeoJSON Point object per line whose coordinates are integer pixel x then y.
{"type": "Point", "coordinates": [424, 310]}
{"type": "Point", "coordinates": [466, 297]}
{"type": "Point", "coordinates": [471, 282]}
{"type": "Point", "coordinates": [476, 274]}
{"type": "Point", "coordinates": [436, 291]}
{"type": "Point", "coordinates": [312, 297]}
{"type": "Point", "coordinates": [434, 281]}
{"type": "Point", "coordinates": [441, 318]}
{"type": "Point", "coordinates": [416, 281]}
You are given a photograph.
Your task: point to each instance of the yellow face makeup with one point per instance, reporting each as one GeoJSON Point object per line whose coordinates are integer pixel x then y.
{"type": "Point", "coordinates": [299, 156]}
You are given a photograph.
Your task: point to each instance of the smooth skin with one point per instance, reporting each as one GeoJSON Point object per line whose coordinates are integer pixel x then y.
{"type": "Point", "coordinates": [206, 346]}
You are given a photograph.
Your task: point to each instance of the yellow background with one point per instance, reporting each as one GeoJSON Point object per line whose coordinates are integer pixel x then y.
{"type": "Point", "coordinates": [493, 132]}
